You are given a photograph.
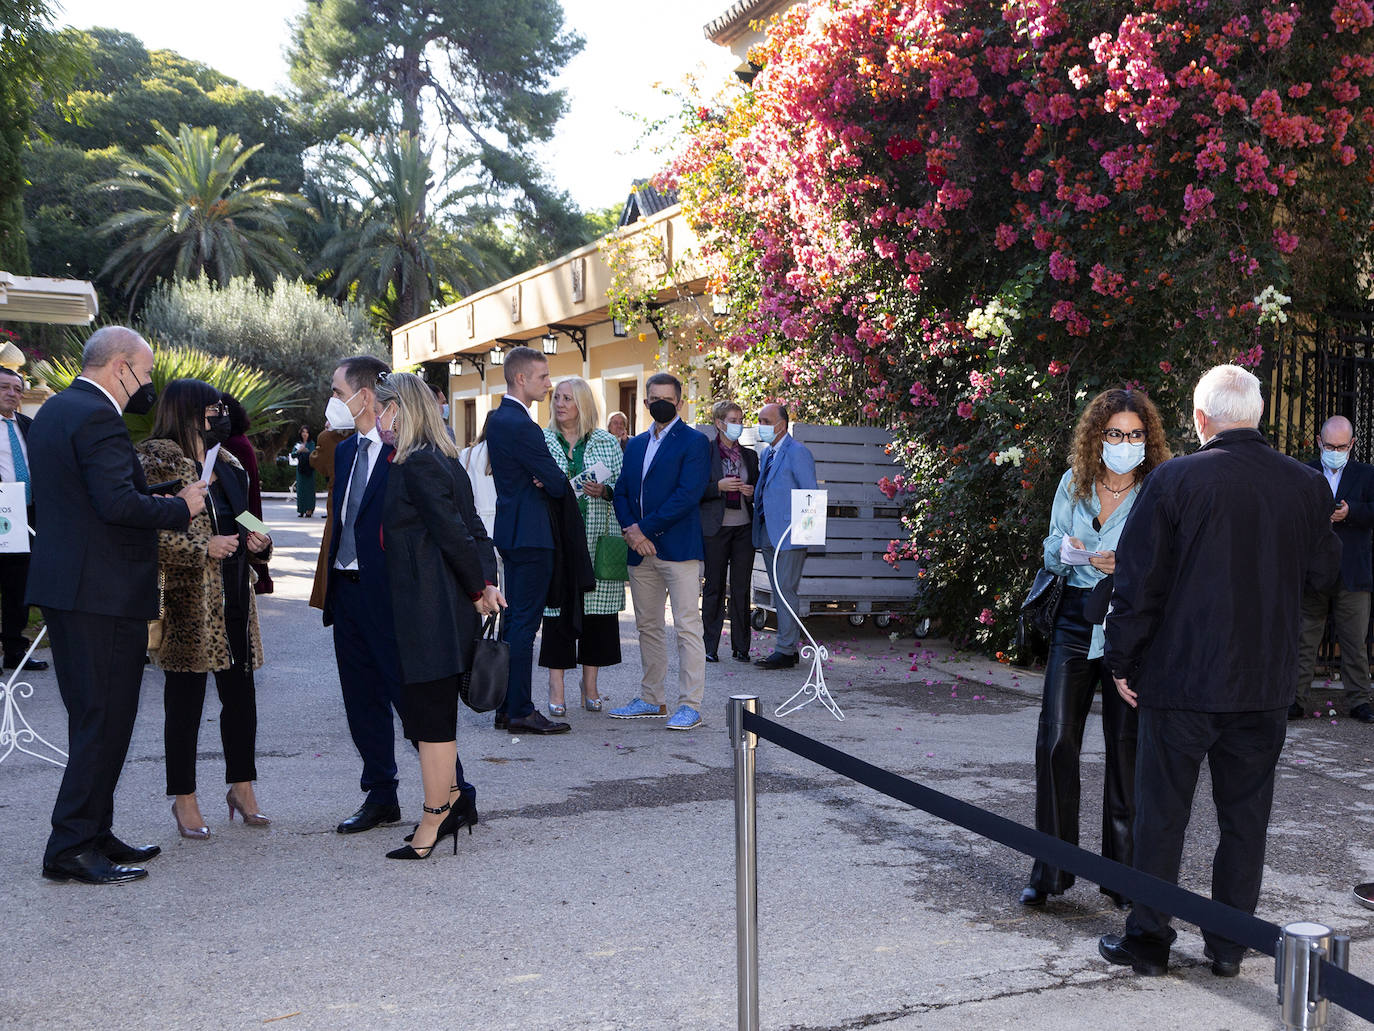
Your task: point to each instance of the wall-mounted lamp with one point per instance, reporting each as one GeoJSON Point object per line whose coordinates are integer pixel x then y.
{"type": "Point", "coordinates": [455, 368]}
{"type": "Point", "coordinates": [619, 329]}
{"type": "Point", "coordinates": [497, 356]}
{"type": "Point", "coordinates": [550, 342]}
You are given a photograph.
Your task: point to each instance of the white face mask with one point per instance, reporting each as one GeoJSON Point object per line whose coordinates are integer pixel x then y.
{"type": "Point", "coordinates": [766, 433]}
{"type": "Point", "coordinates": [338, 415]}
{"type": "Point", "coordinates": [1122, 458]}
{"type": "Point", "coordinates": [1334, 460]}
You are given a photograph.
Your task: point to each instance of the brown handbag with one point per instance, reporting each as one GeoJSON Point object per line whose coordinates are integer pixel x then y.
{"type": "Point", "coordinates": [157, 627]}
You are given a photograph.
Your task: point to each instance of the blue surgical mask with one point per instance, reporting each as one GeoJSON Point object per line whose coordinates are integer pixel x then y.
{"type": "Point", "coordinates": [1122, 458]}
{"type": "Point", "coordinates": [733, 430]}
{"type": "Point", "coordinates": [765, 433]}
{"type": "Point", "coordinates": [1334, 460]}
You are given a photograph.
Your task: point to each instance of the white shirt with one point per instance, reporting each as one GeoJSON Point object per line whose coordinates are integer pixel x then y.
{"type": "Point", "coordinates": [6, 456]}
{"type": "Point", "coordinates": [98, 387]}
{"type": "Point", "coordinates": [371, 459]}
{"type": "Point", "coordinates": [1333, 478]}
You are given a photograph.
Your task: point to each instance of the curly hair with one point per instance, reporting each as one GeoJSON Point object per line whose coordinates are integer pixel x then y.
{"type": "Point", "coordinates": [1087, 436]}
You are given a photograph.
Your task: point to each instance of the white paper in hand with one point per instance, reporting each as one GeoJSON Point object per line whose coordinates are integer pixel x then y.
{"type": "Point", "coordinates": [208, 469]}
{"type": "Point", "coordinates": [1072, 556]}
{"type": "Point", "coordinates": [597, 472]}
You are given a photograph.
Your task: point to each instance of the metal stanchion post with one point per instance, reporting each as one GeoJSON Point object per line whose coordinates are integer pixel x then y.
{"type": "Point", "coordinates": [746, 864]}
{"type": "Point", "coordinates": [1297, 968]}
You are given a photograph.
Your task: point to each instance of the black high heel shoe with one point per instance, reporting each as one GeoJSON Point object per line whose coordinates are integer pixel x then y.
{"type": "Point", "coordinates": [463, 814]}
{"type": "Point", "coordinates": [409, 852]}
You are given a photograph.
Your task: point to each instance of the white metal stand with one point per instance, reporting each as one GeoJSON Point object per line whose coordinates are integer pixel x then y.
{"type": "Point", "coordinates": [814, 689]}
{"type": "Point", "coordinates": [15, 730]}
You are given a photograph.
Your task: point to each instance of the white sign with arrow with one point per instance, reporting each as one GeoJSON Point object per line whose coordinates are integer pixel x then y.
{"type": "Point", "coordinates": [808, 517]}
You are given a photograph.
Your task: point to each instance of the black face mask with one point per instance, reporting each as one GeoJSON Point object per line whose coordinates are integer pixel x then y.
{"type": "Point", "coordinates": [141, 400]}
{"type": "Point", "coordinates": [662, 411]}
{"type": "Point", "coordinates": [218, 432]}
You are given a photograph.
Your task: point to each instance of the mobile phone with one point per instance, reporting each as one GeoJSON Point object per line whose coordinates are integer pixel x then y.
{"type": "Point", "coordinates": [165, 487]}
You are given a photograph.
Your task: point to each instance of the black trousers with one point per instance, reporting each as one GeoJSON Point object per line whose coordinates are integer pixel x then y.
{"type": "Point", "coordinates": [729, 558]}
{"type": "Point", "coordinates": [183, 704]}
{"type": "Point", "coordinates": [99, 666]}
{"type": "Point", "coordinates": [14, 614]}
{"type": "Point", "coordinates": [1071, 681]}
{"type": "Point", "coordinates": [1242, 750]}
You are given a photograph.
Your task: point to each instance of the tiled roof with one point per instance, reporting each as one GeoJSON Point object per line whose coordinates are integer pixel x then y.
{"type": "Point", "coordinates": [644, 201]}
{"type": "Point", "coordinates": [735, 21]}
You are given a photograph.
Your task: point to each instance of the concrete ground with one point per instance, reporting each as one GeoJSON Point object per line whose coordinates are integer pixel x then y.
{"type": "Point", "coordinates": [598, 890]}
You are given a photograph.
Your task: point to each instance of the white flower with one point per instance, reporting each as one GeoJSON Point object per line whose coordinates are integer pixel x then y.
{"type": "Point", "coordinates": [1270, 303]}
{"type": "Point", "coordinates": [991, 320]}
{"type": "Point", "coordinates": [1012, 454]}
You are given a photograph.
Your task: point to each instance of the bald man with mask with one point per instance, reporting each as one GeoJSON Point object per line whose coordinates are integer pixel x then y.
{"type": "Point", "coordinates": [1352, 517]}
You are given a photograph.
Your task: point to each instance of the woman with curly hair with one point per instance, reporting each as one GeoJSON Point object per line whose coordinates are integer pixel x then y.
{"type": "Point", "coordinates": [1118, 440]}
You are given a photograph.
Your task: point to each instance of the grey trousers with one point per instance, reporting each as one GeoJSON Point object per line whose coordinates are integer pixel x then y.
{"type": "Point", "coordinates": [1350, 615]}
{"type": "Point", "coordinates": [785, 577]}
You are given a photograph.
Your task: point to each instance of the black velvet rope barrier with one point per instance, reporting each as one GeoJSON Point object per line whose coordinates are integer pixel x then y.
{"type": "Point", "coordinates": [1337, 985]}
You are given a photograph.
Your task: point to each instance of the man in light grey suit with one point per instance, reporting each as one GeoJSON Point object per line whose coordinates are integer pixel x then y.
{"type": "Point", "coordinates": [786, 466]}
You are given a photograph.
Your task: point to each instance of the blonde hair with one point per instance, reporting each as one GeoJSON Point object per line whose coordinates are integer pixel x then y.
{"type": "Point", "coordinates": [418, 421]}
{"type": "Point", "coordinates": [588, 415]}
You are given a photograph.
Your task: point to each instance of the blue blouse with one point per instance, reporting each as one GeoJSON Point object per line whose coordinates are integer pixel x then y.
{"type": "Point", "coordinates": [1072, 517]}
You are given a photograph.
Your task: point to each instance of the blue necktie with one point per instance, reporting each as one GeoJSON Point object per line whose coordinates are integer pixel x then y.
{"type": "Point", "coordinates": [357, 485]}
{"type": "Point", "coordinates": [21, 467]}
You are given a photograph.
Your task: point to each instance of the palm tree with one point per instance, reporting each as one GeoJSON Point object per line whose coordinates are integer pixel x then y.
{"type": "Point", "coordinates": [397, 255]}
{"type": "Point", "coordinates": [194, 218]}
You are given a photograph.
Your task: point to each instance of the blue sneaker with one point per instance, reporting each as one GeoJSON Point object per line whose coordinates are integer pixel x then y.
{"type": "Point", "coordinates": [639, 709]}
{"type": "Point", "coordinates": [684, 719]}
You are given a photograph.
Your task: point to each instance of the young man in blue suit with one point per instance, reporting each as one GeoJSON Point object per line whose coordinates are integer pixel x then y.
{"type": "Point", "coordinates": [1352, 493]}
{"type": "Point", "coordinates": [786, 466]}
{"type": "Point", "coordinates": [526, 477]}
{"type": "Point", "coordinates": [658, 502]}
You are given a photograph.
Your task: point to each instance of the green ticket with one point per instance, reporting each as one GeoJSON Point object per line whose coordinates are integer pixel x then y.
{"type": "Point", "coordinates": [252, 523]}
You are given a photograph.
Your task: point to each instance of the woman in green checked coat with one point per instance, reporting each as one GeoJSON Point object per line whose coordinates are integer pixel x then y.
{"type": "Point", "coordinates": [581, 448]}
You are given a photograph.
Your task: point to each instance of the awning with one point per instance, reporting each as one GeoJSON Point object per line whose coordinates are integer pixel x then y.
{"type": "Point", "coordinates": [67, 302]}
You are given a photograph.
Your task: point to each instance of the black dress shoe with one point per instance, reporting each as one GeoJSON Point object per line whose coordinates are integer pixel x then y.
{"type": "Point", "coordinates": [1363, 713]}
{"type": "Point", "coordinates": [712, 657]}
{"type": "Point", "coordinates": [1296, 712]}
{"type": "Point", "coordinates": [500, 721]}
{"type": "Point", "coordinates": [778, 660]}
{"type": "Point", "coordinates": [740, 656]}
{"type": "Point", "coordinates": [370, 815]}
{"type": "Point", "coordinates": [33, 665]}
{"type": "Point", "coordinates": [1112, 948]}
{"type": "Point", "coordinates": [1033, 896]}
{"type": "Point", "coordinates": [1222, 967]}
{"type": "Point", "coordinates": [90, 867]}
{"type": "Point", "coordinates": [117, 851]}
{"type": "Point", "coordinates": [537, 723]}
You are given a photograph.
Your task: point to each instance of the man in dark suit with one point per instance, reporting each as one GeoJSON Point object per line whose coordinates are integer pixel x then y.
{"type": "Point", "coordinates": [1202, 636]}
{"type": "Point", "coordinates": [658, 502]}
{"type": "Point", "coordinates": [14, 567]}
{"type": "Point", "coordinates": [1352, 491]}
{"type": "Point", "coordinates": [786, 466]}
{"type": "Point", "coordinates": [526, 476]}
{"type": "Point", "coordinates": [727, 509]}
{"type": "Point", "coordinates": [94, 574]}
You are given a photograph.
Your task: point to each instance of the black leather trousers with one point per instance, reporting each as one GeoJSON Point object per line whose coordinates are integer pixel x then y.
{"type": "Point", "coordinates": [1071, 681]}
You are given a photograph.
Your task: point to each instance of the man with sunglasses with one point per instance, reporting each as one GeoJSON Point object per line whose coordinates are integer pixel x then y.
{"type": "Point", "coordinates": [1352, 517]}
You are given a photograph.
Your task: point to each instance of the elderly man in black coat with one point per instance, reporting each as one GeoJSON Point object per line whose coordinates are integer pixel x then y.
{"type": "Point", "coordinates": [1202, 636]}
{"type": "Point", "coordinates": [1352, 517]}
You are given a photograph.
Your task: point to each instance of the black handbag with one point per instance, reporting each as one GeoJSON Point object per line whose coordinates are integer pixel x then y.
{"type": "Point", "coordinates": [483, 686]}
{"type": "Point", "coordinates": [1041, 607]}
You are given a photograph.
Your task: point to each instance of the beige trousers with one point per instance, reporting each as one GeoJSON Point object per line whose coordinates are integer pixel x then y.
{"type": "Point", "coordinates": [651, 583]}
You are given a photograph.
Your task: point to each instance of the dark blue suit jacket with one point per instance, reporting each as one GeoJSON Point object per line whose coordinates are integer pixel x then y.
{"type": "Point", "coordinates": [97, 549]}
{"type": "Point", "coordinates": [367, 530]}
{"type": "Point", "coordinates": [670, 514]}
{"type": "Point", "coordinates": [1356, 530]}
{"type": "Point", "coordinates": [519, 456]}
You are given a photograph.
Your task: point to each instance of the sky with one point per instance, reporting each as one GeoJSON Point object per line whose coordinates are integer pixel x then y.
{"type": "Point", "coordinates": [630, 47]}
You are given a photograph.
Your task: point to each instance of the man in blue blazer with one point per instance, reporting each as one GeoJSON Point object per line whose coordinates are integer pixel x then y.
{"type": "Point", "coordinates": [786, 466]}
{"type": "Point", "coordinates": [357, 601]}
{"type": "Point", "coordinates": [526, 476]}
{"type": "Point", "coordinates": [658, 502]}
{"type": "Point", "coordinates": [1352, 492]}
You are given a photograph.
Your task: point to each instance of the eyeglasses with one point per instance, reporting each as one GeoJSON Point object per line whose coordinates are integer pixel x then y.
{"type": "Point", "coordinates": [1337, 447]}
{"type": "Point", "coordinates": [219, 409]}
{"type": "Point", "coordinates": [1116, 436]}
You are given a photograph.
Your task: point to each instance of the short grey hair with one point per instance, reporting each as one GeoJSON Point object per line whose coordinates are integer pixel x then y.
{"type": "Point", "coordinates": [108, 343]}
{"type": "Point", "coordinates": [1229, 396]}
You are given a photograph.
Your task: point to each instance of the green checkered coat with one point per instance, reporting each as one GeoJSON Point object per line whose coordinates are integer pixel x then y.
{"type": "Point", "coordinates": [598, 515]}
